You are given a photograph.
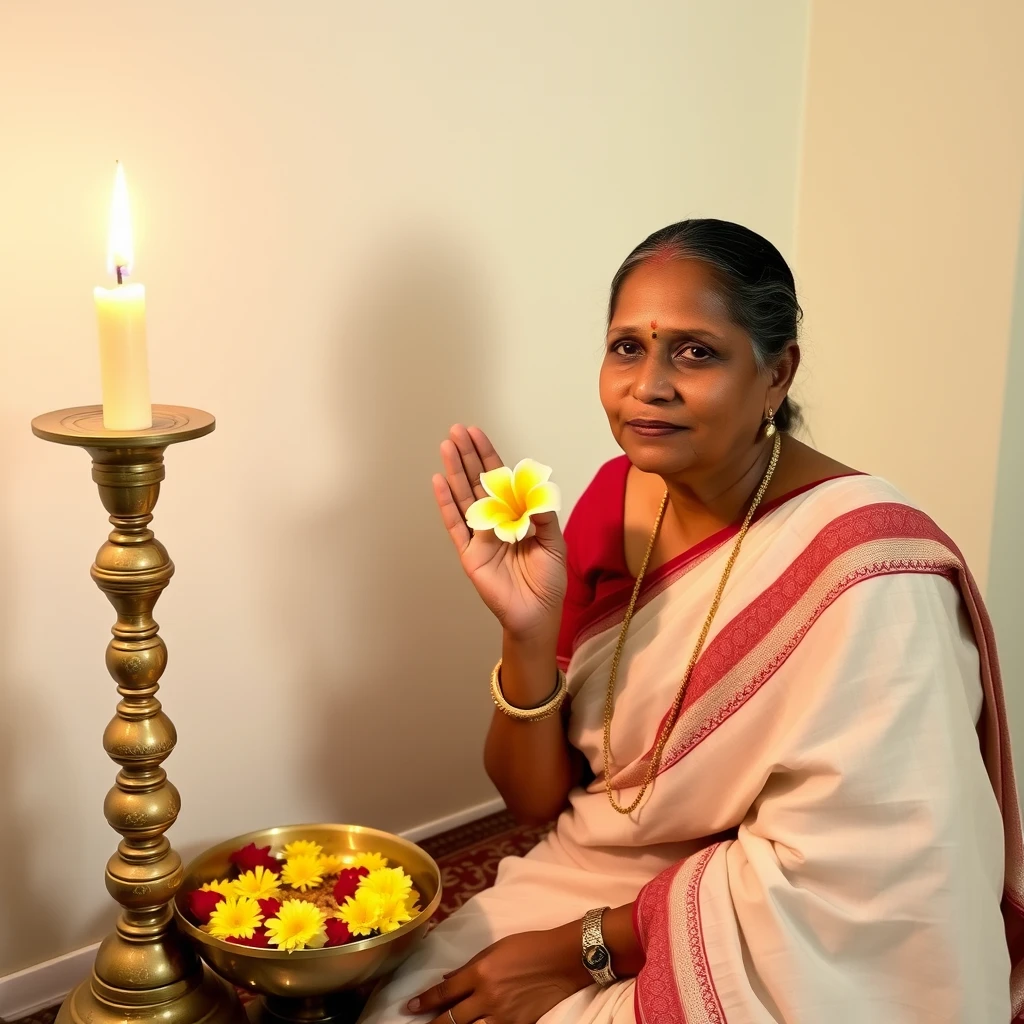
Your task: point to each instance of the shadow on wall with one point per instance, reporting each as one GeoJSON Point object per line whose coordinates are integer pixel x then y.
{"type": "Point", "coordinates": [396, 645]}
{"type": "Point", "coordinates": [30, 758]}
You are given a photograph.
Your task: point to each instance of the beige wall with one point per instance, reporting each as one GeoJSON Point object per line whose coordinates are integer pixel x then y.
{"type": "Point", "coordinates": [1006, 577]}
{"type": "Point", "coordinates": [912, 166]}
{"type": "Point", "coordinates": [356, 223]}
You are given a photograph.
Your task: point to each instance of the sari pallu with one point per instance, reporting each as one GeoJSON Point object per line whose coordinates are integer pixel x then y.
{"type": "Point", "coordinates": [866, 863]}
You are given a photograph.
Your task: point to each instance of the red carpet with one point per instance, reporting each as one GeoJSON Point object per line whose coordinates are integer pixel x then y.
{"type": "Point", "coordinates": [467, 856]}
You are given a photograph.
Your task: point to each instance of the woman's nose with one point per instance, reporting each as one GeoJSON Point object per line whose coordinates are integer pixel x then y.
{"type": "Point", "coordinates": [652, 382]}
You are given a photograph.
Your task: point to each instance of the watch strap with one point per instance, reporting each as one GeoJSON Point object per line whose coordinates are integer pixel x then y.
{"type": "Point", "coordinates": [593, 937]}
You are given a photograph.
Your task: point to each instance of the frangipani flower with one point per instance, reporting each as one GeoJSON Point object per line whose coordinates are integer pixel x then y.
{"type": "Point", "coordinates": [298, 924]}
{"type": "Point", "coordinates": [235, 918]}
{"type": "Point", "coordinates": [370, 861]}
{"type": "Point", "coordinates": [302, 872]}
{"type": "Point", "coordinates": [514, 495]}
{"type": "Point", "coordinates": [388, 883]}
{"type": "Point", "coordinates": [302, 848]}
{"type": "Point", "coordinates": [259, 883]}
{"type": "Point", "coordinates": [362, 912]}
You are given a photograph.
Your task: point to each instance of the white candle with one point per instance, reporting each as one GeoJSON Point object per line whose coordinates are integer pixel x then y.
{"type": "Point", "coordinates": [121, 317]}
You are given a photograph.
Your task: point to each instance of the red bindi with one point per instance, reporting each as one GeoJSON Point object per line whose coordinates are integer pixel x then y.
{"type": "Point", "coordinates": [654, 328]}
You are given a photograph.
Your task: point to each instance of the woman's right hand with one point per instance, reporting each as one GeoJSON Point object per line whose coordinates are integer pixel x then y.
{"type": "Point", "coordinates": [523, 584]}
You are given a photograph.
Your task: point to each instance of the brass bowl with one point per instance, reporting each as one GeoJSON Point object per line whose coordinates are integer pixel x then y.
{"type": "Point", "coordinates": [295, 984]}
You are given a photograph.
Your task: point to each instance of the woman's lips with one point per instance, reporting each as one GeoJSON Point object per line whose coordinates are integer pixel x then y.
{"type": "Point", "coordinates": [653, 428]}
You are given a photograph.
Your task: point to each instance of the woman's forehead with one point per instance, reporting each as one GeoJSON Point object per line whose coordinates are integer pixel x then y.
{"type": "Point", "coordinates": [675, 293]}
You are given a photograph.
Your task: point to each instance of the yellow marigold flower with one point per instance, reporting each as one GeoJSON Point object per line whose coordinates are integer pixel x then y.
{"type": "Point", "coordinates": [370, 861]}
{"type": "Point", "coordinates": [513, 496]}
{"type": "Point", "coordinates": [259, 883]}
{"type": "Point", "coordinates": [302, 848]}
{"type": "Point", "coordinates": [225, 887]}
{"type": "Point", "coordinates": [362, 912]}
{"type": "Point", "coordinates": [412, 901]}
{"type": "Point", "coordinates": [302, 872]}
{"type": "Point", "coordinates": [388, 884]}
{"type": "Point", "coordinates": [298, 924]}
{"type": "Point", "coordinates": [235, 918]}
{"type": "Point", "coordinates": [331, 863]}
{"type": "Point", "coordinates": [393, 914]}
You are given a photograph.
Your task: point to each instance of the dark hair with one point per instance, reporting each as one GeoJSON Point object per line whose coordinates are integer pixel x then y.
{"type": "Point", "coordinates": [756, 282]}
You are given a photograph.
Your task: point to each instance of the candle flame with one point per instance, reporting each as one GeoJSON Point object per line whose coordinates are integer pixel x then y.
{"type": "Point", "coordinates": [120, 252]}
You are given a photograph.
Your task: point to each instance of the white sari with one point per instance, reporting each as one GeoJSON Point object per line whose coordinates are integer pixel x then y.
{"type": "Point", "coordinates": [833, 834]}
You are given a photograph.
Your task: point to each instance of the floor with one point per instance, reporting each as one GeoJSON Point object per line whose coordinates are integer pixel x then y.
{"type": "Point", "coordinates": [467, 856]}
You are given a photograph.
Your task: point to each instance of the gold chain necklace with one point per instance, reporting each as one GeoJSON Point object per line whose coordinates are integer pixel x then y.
{"type": "Point", "coordinates": [670, 721]}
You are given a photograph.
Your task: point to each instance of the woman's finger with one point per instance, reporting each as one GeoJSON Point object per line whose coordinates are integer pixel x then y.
{"type": "Point", "coordinates": [469, 1011]}
{"type": "Point", "coordinates": [455, 471]}
{"type": "Point", "coordinates": [471, 459]}
{"type": "Point", "coordinates": [453, 519]}
{"type": "Point", "coordinates": [482, 443]}
{"type": "Point", "coordinates": [447, 992]}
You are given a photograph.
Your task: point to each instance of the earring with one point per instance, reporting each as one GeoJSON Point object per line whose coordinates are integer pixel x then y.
{"type": "Point", "coordinates": [769, 425]}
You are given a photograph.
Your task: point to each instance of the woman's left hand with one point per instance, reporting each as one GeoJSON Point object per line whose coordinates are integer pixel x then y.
{"type": "Point", "coordinates": [515, 981]}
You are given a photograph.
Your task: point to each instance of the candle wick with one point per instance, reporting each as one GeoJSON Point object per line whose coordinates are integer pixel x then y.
{"type": "Point", "coordinates": [120, 276]}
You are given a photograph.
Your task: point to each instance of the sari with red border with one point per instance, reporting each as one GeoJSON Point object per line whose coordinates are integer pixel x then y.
{"type": "Point", "coordinates": [844, 589]}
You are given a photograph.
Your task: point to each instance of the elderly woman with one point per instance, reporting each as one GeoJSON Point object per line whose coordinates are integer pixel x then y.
{"type": "Point", "coordinates": [777, 758]}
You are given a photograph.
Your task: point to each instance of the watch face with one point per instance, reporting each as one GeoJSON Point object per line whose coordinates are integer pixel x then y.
{"type": "Point", "coordinates": [596, 958]}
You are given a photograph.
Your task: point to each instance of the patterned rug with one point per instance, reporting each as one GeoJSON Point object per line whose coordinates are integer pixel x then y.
{"type": "Point", "coordinates": [468, 858]}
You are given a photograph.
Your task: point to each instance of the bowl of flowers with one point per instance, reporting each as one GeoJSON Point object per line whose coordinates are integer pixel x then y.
{"type": "Point", "coordinates": [305, 914]}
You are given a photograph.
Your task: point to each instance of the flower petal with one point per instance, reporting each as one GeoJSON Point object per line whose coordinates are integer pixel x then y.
{"type": "Point", "coordinates": [544, 498]}
{"type": "Point", "coordinates": [527, 475]}
{"type": "Point", "coordinates": [509, 530]}
{"type": "Point", "coordinates": [487, 514]}
{"type": "Point", "coordinates": [498, 484]}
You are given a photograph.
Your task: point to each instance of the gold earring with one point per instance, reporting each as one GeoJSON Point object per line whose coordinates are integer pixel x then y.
{"type": "Point", "coordinates": [769, 426]}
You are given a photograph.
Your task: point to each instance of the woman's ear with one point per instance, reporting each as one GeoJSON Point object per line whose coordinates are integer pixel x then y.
{"type": "Point", "coordinates": [784, 371]}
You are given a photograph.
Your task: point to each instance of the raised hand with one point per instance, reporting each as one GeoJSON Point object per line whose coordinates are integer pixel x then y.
{"type": "Point", "coordinates": [523, 584]}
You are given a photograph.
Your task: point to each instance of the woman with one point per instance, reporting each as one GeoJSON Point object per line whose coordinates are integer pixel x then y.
{"type": "Point", "coordinates": [782, 787]}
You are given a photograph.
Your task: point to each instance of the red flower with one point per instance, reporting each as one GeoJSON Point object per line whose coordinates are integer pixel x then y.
{"type": "Point", "coordinates": [270, 907]}
{"type": "Point", "coordinates": [259, 939]}
{"type": "Point", "coordinates": [252, 856]}
{"type": "Point", "coordinates": [201, 903]}
{"type": "Point", "coordinates": [348, 882]}
{"type": "Point", "coordinates": [337, 932]}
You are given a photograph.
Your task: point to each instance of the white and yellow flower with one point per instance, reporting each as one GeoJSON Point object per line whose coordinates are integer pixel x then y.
{"type": "Point", "coordinates": [513, 496]}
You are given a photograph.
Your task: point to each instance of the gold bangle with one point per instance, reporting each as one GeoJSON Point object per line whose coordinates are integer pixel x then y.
{"type": "Point", "coordinates": [550, 707]}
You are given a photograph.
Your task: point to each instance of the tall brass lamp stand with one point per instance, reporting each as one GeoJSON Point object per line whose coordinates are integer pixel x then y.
{"type": "Point", "coordinates": [144, 971]}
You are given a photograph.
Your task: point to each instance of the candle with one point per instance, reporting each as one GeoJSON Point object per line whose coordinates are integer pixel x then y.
{"type": "Point", "coordinates": [121, 316]}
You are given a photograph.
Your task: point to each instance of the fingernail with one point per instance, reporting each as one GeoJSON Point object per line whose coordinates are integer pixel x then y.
{"type": "Point", "coordinates": [414, 1006]}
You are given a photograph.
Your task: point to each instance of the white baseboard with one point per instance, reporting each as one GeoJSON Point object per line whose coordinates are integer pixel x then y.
{"type": "Point", "coordinates": [44, 984]}
{"type": "Point", "coordinates": [439, 825]}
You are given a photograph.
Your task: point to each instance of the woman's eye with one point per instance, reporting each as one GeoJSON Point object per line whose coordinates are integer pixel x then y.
{"type": "Point", "coordinates": [626, 348]}
{"type": "Point", "coordinates": [696, 353]}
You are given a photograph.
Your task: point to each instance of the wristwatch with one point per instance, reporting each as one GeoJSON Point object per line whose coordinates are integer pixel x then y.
{"type": "Point", "coordinates": [596, 957]}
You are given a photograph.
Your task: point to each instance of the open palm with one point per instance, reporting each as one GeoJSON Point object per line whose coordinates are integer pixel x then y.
{"type": "Point", "coordinates": [523, 584]}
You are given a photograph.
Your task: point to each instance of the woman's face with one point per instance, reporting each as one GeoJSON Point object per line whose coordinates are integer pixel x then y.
{"type": "Point", "coordinates": [679, 383]}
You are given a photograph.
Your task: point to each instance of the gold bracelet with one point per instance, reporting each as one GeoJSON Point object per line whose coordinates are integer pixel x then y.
{"type": "Point", "coordinates": [550, 707]}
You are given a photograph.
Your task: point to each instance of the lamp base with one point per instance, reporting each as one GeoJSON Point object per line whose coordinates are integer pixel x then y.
{"type": "Point", "coordinates": [211, 1001]}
